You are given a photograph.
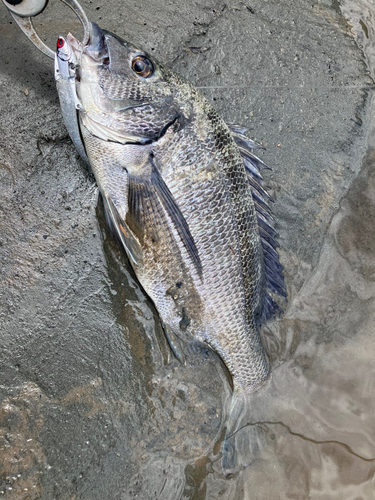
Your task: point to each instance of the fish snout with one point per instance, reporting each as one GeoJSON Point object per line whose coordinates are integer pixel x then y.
{"type": "Point", "coordinates": [97, 47]}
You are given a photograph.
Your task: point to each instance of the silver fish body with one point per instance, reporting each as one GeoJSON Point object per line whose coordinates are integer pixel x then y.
{"type": "Point", "coordinates": [184, 194]}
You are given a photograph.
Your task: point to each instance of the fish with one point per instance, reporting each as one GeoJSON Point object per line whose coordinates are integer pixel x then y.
{"type": "Point", "coordinates": [183, 192]}
{"type": "Point", "coordinates": [65, 64]}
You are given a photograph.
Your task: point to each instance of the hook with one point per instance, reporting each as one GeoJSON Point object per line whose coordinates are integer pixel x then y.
{"type": "Point", "coordinates": [22, 12]}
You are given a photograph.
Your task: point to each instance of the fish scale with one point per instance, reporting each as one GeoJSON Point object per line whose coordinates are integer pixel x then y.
{"type": "Point", "coordinates": [234, 320]}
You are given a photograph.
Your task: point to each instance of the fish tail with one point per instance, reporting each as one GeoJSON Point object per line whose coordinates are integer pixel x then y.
{"type": "Point", "coordinates": [242, 442]}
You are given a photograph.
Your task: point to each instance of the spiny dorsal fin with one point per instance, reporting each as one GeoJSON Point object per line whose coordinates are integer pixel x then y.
{"type": "Point", "coordinates": [268, 235]}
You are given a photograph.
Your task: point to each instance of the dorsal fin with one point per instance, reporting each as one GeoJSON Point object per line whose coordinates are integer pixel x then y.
{"type": "Point", "coordinates": [273, 269]}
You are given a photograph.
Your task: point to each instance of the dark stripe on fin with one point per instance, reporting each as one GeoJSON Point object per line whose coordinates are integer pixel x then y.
{"type": "Point", "coordinates": [260, 201]}
{"type": "Point", "coordinates": [148, 197]}
{"type": "Point", "coordinates": [262, 209]}
{"type": "Point", "coordinates": [274, 278]}
{"type": "Point", "coordinates": [259, 189]}
{"type": "Point", "coordinates": [265, 236]}
{"type": "Point", "coordinates": [240, 132]}
{"type": "Point", "coordinates": [252, 170]}
{"type": "Point", "coordinates": [264, 224]}
{"type": "Point", "coordinates": [237, 129]}
{"type": "Point", "coordinates": [270, 309]}
{"type": "Point", "coordinates": [177, 218]}
{"type": "Point", "coordinates": [252, 158]}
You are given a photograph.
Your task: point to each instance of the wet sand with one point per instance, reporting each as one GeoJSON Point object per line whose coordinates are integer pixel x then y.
{"type": "Point", "coordinates": [92, 403]}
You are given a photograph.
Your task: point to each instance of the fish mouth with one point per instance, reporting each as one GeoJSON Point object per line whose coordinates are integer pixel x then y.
{"type": "Point", "coordinates": [96, 48]}
{"type": "Point", "coordinates": [75, 44]}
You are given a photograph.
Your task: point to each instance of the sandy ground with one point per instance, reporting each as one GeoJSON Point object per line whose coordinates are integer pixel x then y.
{"type": "Point", "coordinates": [92, 405]}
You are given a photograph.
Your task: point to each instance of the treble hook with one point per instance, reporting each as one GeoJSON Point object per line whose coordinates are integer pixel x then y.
{"type": "Point", "coordinates": [22, 12]}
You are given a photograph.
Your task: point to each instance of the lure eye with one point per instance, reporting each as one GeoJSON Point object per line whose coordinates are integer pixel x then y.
{"type": "Point", "coordinates": [142, 66]}
{"type": "Point", "coordinates": [60, 43]}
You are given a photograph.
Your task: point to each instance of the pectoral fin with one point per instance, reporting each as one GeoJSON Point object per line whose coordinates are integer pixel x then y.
{"type": "Point", "coordinates": [177, 218]}
{"type": "Point", "coordinates": [149, 202]}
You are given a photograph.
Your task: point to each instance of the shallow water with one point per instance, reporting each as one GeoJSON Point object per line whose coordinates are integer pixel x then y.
{"type": "Point", "coordinates": [93, 404]}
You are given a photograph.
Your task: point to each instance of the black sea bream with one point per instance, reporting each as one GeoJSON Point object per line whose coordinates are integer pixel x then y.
{"type": "Point", "coordinates": [183, 191]}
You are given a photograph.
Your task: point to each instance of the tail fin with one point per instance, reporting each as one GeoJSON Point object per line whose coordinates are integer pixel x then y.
{"type": "Point", "coordinates": [242, 442]}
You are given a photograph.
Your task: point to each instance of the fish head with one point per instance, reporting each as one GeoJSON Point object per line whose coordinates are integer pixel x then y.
{"type": "Point", "coordinates": [126, 95]}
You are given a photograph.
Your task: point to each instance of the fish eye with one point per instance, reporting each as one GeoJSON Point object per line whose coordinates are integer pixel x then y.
{"type": "Point", "coordinates": [142, 66]}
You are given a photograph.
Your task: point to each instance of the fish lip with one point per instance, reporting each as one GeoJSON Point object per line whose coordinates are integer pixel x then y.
{"type": "Point", "coordinates": [76, 45]}
{"type": "Point", "coordinates": [74, 42]}
{"type": "Point", "coordinates": [96, 39]}
{"type": "Point", "coordinates": [96, 47]}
